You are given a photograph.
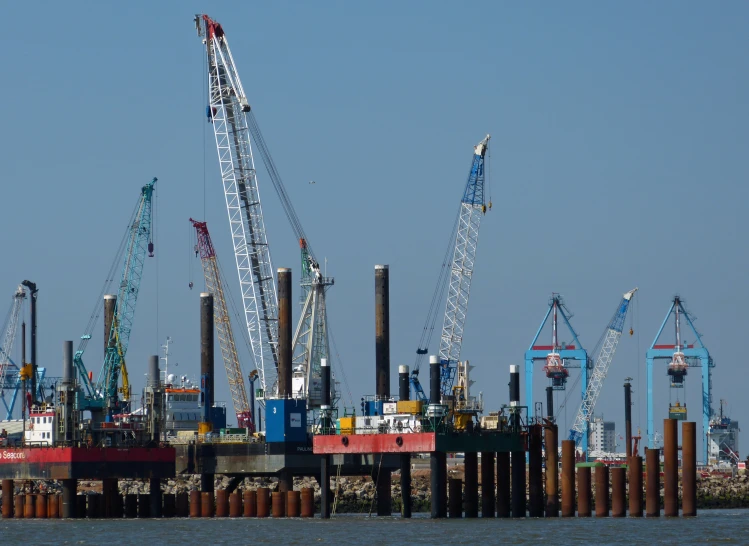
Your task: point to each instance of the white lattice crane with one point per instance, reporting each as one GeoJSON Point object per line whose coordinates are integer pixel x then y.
{"type": "Point", "coordinates": [227, 111]}
{"type": "Point", "coordinates": [236, 129]}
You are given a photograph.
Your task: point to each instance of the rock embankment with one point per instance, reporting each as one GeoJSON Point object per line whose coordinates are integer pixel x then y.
{"type": "Point", "coordinates": [357, 494]}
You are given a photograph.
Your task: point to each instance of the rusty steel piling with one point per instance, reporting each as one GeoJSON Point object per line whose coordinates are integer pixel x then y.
{"type": "Point", "coordinates": [568, 478]}
{"type": "Point", "coordinates": [41, 506]}
{"type": "Point", "coordinates": [618, 492]}
{"type": "Point", "coordinates": [670, 468]}
{"type": "Point", "coordinates": [235, 505]}
{"type": "Point", "coordinates": [19, 502]}
{"type": "Point", "coordinates": [278, 504]}
{"type": "Point", "coordinates": [7, 499]}
{"type": "Point", "coordinates": [207, 508]}
{"type": "Point", "coordinates": [293, 501]}
{"type": "Point", "coordinates": [222, 503]}
{"type": "Point", "coordinates": [652, 484]}
{"type": "Point", "coordinates": [583, 492]}
{"type": "Point", "coordinates": [263, 502]}
{"type": "Point", "coordinates": [249, 499]}
{"type": "Point", "coordinates": [552, 470]}
{"type": "Point", "coordinates": [53, 506]}
{"type": "Point", "coordinates": [635, 487]}
{"type": "Point", "coordinates": [602, 491]}
{"type": "Point", "coordinates": [308, 503]}
{"type": "Point", "coordinates": [689, 468]}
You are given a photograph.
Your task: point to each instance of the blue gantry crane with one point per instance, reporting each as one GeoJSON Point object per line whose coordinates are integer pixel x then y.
{"type": "Point", "coordinates": [559, 357]}
{"type": "Point", "coordinates": [681, 356]}
{"type": "Point", "coordinates": [102, 397]}
{"type": "Point", "coordinates": [463, 242]}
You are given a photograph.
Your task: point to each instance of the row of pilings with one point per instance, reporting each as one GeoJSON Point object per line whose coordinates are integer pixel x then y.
{"type": "Point", "coordinates": [260, 503]}
{"type": "Point", "coordinates": [618, 490]}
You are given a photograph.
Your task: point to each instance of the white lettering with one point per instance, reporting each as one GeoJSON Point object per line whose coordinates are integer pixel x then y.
{"type": "Point", "coordinates": [13, 455]}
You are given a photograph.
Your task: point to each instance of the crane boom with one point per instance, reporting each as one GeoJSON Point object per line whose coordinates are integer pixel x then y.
{"type": "Point", "coordinates": [222, 321]}
{"type": "Point", "coordinates": [137, 243]}
{"type": "Point", "coordinates": [600, 370]}
{"type": "Point", "coordinates": [11, 328]}
{"type": "Point", "coordinates": [227, 111]}
{"type": "Point", "coordinates": [472, 208]}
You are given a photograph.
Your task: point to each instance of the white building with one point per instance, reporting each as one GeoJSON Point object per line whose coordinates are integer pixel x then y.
{"type": "Point", "coordinates": [602, 436]}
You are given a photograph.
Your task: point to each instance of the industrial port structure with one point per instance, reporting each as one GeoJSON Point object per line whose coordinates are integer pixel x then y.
{"type": "Point", "coordinates": [89, 430]}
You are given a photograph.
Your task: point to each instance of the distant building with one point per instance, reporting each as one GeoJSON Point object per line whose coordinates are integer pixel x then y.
{"type": "Point", "coordinates": [602, 435]}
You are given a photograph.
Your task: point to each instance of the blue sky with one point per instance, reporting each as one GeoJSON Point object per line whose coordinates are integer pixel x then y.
{"type": "Point", "coordinates": [617, 160]}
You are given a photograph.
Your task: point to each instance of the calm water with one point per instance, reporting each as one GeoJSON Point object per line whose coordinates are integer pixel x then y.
{"type": "Point", "coordinates": [710, 527]}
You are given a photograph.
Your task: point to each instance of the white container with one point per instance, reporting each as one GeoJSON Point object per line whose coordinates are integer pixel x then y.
{"type": "Point", "coordinates": [389, 408]}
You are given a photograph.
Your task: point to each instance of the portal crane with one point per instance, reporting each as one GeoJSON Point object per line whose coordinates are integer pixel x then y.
{"type": "Point", "coordinates": [222, 321]}
{"type": "Point", "coordinates": [680, 355]}
{"type": "Point", "coordinates": [234, 127]}
{"type": "Point", "coordinates": [601, 368]}
{"type": "Point", "coordinates": [103, 395]}
{"type": "Point", "coordinates": [463, 245]}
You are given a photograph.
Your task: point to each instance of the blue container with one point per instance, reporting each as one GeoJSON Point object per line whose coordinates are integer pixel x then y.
{"type": "Point", "coordinates": [218, 417]}
{"type": "Point", "coordinates": [372, 408]}
{"type": "Point", "coordinates": [285, 421]}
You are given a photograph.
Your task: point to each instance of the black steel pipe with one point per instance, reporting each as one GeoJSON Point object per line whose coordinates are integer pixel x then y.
{"type": "Point", "coordinates": [503, 484]}
{"type": "Point", "coordinates": [206, 347]}
{"type": "Point", "coordinates": [325, 381]}
{"type": "Point", "coordinates": [110, 304]}
{"type": "Point", "coordinates": [382, 331]}
{"type": "Point", "coordinates": [471, 507]}
{"type": "Point", "coordinates": [535, 472]}
{"type": "Point", "coordinates": [434, 380]}
{"type": "Point", "coordinates": [628, 417]}
{"type": "Point", "coordinates": [284, 333]}
{"type": "Point", "coordinates": [34, 364]}
{"type": "Point", "coordinates": [488, 496]}
{"type": "Point", "coordinates": [404, 387]}
{"type": "Point", "coordinates": [514, 384]}
{"type": "Point", "coordinates": [550, 403]}
{"type": "Point", "coordinates": [518, 484]}
{"type": "Point", "coordinates": [405, 464]}
{"type": "Point", "coordinates": [325, 496]}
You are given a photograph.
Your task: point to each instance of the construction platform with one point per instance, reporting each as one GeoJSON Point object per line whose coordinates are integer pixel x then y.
{"type": "Point", "coordinates": [94, 463]}
{"type": "Point", "coordinates": [420, 442]}
{"type": "Point", "coordinates": [266, 459]}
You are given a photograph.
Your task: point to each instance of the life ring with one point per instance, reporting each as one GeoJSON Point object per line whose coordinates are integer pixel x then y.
{"type": "Point", "coordinates": [31, 425]}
